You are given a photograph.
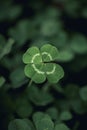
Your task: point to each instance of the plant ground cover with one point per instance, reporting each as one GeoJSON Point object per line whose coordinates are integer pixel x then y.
{"type": "Point", "coordinates": [43, 65]}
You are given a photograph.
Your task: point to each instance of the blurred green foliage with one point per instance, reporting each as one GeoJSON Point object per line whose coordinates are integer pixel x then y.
{"type": "Point", "coordinates": [60, 106]}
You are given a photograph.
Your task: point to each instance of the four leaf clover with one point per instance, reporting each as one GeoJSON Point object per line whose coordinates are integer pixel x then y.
{"type": "Point", "coordinates": [40, 64]}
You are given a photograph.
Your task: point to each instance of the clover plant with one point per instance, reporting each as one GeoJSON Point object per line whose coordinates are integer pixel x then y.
{"type": "Point", "coordinates": [42, 122]}
{"type": "Point", "coordinates": [2, 81]}
{"type": "Point", "coordinates": [41, 64]}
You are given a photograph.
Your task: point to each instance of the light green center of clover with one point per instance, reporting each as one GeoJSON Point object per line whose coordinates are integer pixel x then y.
{"type": "Point", "coordinates": [36, 57]}
{"type": "Point", "coordinates": [33, 65]}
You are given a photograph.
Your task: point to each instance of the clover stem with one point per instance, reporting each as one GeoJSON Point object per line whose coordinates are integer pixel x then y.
{"type": "Point", "coordinates": [26, 90]}
{"type": "Point", "coordinates": [30, 83]}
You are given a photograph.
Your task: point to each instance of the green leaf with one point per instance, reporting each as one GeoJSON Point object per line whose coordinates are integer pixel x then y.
{"type": "Point", "coordinates": [65, 115]}
{"type": "Point", "coordinates": [40, 64]}
{"type": "Point", "coordinates": [7, 48]}
{"type": "Point", "coordinates": [79, 44]}
{"type": "Point", "coordinates": [32, 55]}
{"type": "Point", "coordinates": [23, 31]}
{"type": "Point", "coordinates": [83, 93]}
{"type": "Point", "coordinates": [65, 56]}
{"type": "Point", "coordinates": [39, 97]}
{"type": "Point", "coordinates": [53, 113]}
{"type": "Point", "coordinates": [50, 27]}
{"type": "Point", "coordinates": [39, 42]}
{"type": "Point", "coordinates": [18, 124]}
{"type": "Point", "coordinates": [29, 123]}
{"type": "Point", "coordinates": [8, 11]}
{"type": "Point", "coordinates": [84, 12]}
{"type": "Point", "coordinates": [17, 77]}
{"type": "Point", "coordinates": [52, 12]}
{"type": "Point", "coordinates": [38, 116]}
{"type": "Point", "coordinates": [61, 127]}
{"type": "Point", "coordinates": [55, 74]}
{"type": "Point", "coordinates": [72, 7]}
{"type": "Point", "coordinates": [43, 122]}
{"type": "Point", "coordinates": [49, 53]}
{"type": "Point", "coordinates": [23, 107]}
{"type": "Point", "coordinates": [60, 40]}
{"type": "Point", "coordinates": [35, 72]}
{"type": "Point", "coordinates": [2, 41]}
{"type": "Point", "coordinates": [2, 81]}
{"type": "Point", "coordinates": [15, 11]}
